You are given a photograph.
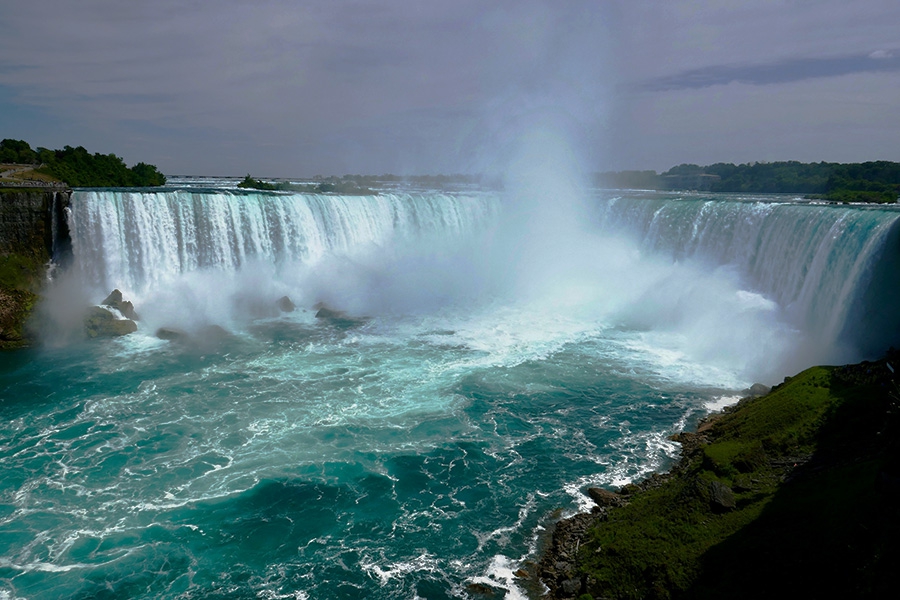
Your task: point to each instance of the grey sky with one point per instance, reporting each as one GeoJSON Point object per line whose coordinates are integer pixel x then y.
{"type": "Point", "coordinates": [291, 88]}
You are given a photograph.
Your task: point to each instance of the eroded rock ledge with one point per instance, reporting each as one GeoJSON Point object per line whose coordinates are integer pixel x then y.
{"type": "Point", "coordinates": [33, 231]}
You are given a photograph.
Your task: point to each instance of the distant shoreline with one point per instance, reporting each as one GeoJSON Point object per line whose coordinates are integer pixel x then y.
{"type": "Point", "coordinates": [876, 181]}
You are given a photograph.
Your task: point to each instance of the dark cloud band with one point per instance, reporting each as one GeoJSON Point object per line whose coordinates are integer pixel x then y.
{"type": "Point", "coordinates": [784, 71]}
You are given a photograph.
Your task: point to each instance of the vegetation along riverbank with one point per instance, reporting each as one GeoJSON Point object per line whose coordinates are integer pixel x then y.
{"type": "Point", "coordinates": [791, 494]}
{"type": "Point", "coordinates": [874, 181]}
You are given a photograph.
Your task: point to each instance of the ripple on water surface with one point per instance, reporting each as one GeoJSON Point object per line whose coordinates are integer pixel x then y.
{"type": "Point", "coordinates": [399, 457]}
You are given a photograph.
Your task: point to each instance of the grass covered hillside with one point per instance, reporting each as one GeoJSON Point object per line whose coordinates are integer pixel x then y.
{"type": "Point", "coordinates": [792, 494]}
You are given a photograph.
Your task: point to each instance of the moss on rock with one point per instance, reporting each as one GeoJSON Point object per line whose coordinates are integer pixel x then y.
{"type": "Point", "coordinates": [15, 308]}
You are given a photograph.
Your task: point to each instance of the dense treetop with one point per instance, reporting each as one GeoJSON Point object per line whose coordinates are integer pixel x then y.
{"type": "Point", "coordinates": [79, 168]}
{"type": "Point", "coordinates": [18, 152]}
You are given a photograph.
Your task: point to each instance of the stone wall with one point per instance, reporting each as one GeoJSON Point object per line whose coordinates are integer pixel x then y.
{"type": "Point", "coordinates": [32, 221]}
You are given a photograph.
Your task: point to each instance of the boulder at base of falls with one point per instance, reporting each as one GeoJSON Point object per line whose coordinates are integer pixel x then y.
{"type": "Point", "coordinates": [172, 334]}
{"type": "Point", "coordinates": [100, 322]}
{"type": "Point", "coordinates": [114, 300]}
{"type": "Point", "coordinates": [324, 312]}
{"type": "Point", "coordinates": [336, 318]}
{"type": "Point", "coordinates": [208, 338]}
{"type": "Point", "coordinates": [286, 305]}
{"type": "Point", "coordinates": [212, 334]}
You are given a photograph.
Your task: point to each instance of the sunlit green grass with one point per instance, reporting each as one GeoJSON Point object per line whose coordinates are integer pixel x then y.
{"type": "Point", "coordinates": [672, 541]}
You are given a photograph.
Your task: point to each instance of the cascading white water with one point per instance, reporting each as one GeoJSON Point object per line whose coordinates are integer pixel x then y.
{"type": "Point", "coordinates": [135, 240]}
{"type": "Point", "coordinates": [818, 262]}
{"type": "Point", "coordinates": [745, 271]}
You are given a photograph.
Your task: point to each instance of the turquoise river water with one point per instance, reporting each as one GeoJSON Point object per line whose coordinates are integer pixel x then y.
{"type": "Point", "coordinates": [495, 358]}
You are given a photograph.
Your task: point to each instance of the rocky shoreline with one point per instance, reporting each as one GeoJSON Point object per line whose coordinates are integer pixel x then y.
{"type": "Point", "coordinates": [760, 492]}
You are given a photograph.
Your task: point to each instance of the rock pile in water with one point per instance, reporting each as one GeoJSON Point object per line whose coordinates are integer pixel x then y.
{"type": "Point", "coordinates": [112, 318]}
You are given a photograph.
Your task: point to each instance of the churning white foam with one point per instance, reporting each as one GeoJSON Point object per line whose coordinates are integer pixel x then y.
{"type": "Point", "coordinates": [501, 574]}
{"type": "Point", "coordinates": [714, 291]}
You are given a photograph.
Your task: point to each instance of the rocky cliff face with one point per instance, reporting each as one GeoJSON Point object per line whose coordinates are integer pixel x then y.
{"type": "Point", "coordinates": [33, 231]}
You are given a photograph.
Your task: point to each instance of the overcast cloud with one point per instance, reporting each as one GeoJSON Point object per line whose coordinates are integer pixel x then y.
{"type": "Point", "coordinates": [288, 88]}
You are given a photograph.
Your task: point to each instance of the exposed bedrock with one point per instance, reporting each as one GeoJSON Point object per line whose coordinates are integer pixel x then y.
{"type": "Point", "coordinates": [101, 322]}
{"type": "Point", "coordinates": [33, 232]}
{"type": "Point", "coordinates": [208, 338]}
{"type": "Point", "coordinates": [285, 304]}
{"type": "Point", "coordinates": [115, 300]}
{"type": "Point", "coordinates": [114, 317]}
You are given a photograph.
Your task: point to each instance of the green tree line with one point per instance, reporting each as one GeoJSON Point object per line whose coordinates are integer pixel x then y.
{"type": "Point", "coordinates": [875, 181]}
{"type": "Point", "coordinates": [79, 168]}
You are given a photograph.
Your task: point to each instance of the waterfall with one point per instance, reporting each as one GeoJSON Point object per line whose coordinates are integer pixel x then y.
{"type": "Point", "coordinates": [833, 269]}
{"type": "Point", "coordinates": [137, 239]}
{"type": "Point", "coordinates": [60, 246]}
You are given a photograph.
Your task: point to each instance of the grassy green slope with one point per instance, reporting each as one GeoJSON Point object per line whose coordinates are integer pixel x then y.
{"type": "Point", "coordinates": [794, 493]}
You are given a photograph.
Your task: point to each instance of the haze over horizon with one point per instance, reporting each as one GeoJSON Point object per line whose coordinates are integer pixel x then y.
{"type": "Point", "coordinates": [278, 89]}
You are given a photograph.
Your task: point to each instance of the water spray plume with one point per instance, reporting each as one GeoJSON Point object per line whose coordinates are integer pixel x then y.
{"type": "Point", "coordinates": [688, 277]}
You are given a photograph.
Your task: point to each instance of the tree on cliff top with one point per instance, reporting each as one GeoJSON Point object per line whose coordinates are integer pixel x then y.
{"type": "Point", "coordinates": [77, 167]}
{"type": "Point", "coordinates": [17, 151]}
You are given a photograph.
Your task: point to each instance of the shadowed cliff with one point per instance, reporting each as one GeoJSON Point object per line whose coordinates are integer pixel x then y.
{"type": "Point", "coordinates": [33, 231]}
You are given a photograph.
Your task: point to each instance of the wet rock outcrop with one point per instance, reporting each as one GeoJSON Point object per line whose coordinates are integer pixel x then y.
{"type": "Point", "coordinates": [336, 318]}
{"type": "Point", "coordinates": [285, 304]}
{"type": "Point", "coordinates": [101, 322]}
{"type": "Point", "coordinates": [125, 307]}
{"type": "Point", "coordinates": [208, 338]}
{"type": "Point", "coordinates": [114, 317]}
